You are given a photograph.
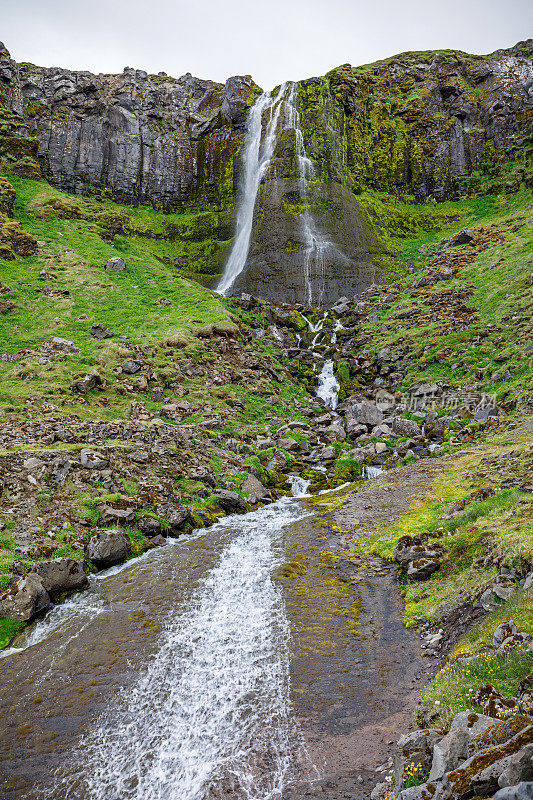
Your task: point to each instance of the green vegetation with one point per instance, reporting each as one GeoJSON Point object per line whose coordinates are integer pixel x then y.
{"type": "Point", "coordinates": [452, 688]}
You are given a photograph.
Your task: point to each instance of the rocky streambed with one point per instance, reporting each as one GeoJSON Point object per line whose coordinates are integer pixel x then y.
{"type": "Point", "coordinates": [222, 665]}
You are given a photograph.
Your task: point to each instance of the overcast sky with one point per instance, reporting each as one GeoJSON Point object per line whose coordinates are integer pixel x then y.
{"type": "Point", "coordinates": [273, 40]}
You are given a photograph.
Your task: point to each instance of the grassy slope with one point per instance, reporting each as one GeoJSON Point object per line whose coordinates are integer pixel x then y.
{"type": "Point", "coordinates": [500, 280]}
{"type": "Point", "coordinates": [73, 255]}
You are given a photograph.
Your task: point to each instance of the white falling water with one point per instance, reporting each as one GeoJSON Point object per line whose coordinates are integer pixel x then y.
{"type": "Point", "coordinates": [211, 716]}
{"type": "Point", "coordinates": [299, 486]}
{"type": "Point", "coordinates": [317, 246]}
{"type": "Point", "coordinates": [328, 385]}
{"type": "Point", "coordinates": [257, 155]}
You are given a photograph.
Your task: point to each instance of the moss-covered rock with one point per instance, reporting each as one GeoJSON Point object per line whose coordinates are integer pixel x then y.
{"type": "Point", "coordinates": [7, 198]}
{"type": "Point", "coordinates": [14, 240]}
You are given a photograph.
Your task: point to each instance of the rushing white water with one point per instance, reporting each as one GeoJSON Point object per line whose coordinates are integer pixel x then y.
{"type": "Point", "coordinates": [257, 155]}
{"type": "Point", "coordinates": [328, 385]}
{"type": "Point", "coordinates": [211, 716]}
{"type": "Point", "coordinates": [372, 472]}
{"type": "Point", "coordinates": [338, 327]}
{"type": "Point", "coordinates": [299, 486]}
{"type": "Point", "coordinates": [317, 246]}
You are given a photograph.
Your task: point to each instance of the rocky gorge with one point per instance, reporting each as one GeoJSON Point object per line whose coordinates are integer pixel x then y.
{"type": "Point", "coordinates": [311, 489]}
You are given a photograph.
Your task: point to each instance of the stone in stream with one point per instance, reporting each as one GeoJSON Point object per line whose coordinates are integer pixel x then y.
{"type": "Point", "coordinates": [179, 520]}
{"type": "Point", "coordinates": [106, 548]}
{"type": "Point", "coordinates": [24, 599]}
{"type": "Point", "coordinates": [61, 575]}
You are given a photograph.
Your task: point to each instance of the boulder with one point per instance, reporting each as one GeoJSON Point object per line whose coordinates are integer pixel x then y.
{"type": "Point", "coordinates": [231, 502]}
{"type": "Point", "coordinates": [449, 753]}
{"type": "Point", "coordinates": [24, 599]}
{"type": "Point", "coordinates": [463, 237]}
{"type": "Point", "coordinates": [112, 514]}
{"type": "Point", "coordinates": [106, 548]}
{"type": "Point", "coordinates": [288, 444]}
{"type": "Point", "coordinates": [519, 768]}
{"type": "Point", "coordinates": [61, 575]}
{"type": "Point", "coordinates": [100, 331]}
{"type": "Point", "coordinates": [414, 747]}
{"type": "Point", "coordinates": [90, 459]}
{"type": "Point", "coordinates": [503, 632]}
{"type": "Point", "coordinates": [180, 520]}
{"type": "Point", "coordinates": [90, 381]}
{"type": "Point", "coordinates": [254, 490]}
{"type": "Point", "coordinates": [115, 264]}
{"type": "Point", "coordinates": [422, 568]}
{"type": "Point", "coordinates": [149, 526]}
{"type": "Point", "coordinates": [405, 427]}
{"type": "Point", "coordinates": [131, 367]}
{"type": "Point", "coordinates": [523, 791]}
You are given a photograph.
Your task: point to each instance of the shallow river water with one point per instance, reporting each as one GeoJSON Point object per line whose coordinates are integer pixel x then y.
{"type": "Point", "coordinates": [198, 671]}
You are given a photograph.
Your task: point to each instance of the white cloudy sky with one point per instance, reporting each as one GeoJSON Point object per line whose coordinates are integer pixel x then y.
{"type": "Point", "coordinates": [274, 40]}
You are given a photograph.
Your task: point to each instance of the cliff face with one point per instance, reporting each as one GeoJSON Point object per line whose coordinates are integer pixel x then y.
{"type": "Point", "coordinates": [420, 123]}
{"type": "Point", "coordinates": [148, 138]}
{"type": "Point", "coordinates": [431, 125]}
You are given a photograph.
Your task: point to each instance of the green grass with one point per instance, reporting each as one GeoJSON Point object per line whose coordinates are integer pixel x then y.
{"type": "Point", "coordinates": [453, 686]}
{"type": "Point", "coordinates": [8, 629]}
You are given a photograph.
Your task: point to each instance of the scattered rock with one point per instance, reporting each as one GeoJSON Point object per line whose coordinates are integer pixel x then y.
{"type": "Point", "coordinates": [115, 264]}
{"type": "Point", "coordinates": [231, 502]}
{"type": "Point", "coordinates": [100, 331]}
{"type": "Point", "coordinates": [90, 459]}
{"type": "Point", "coordinates": [24, 599]}
{"type": "Point", "coordinates": [106, 548]}
{"type": "Point", "coordinates": [61, 575]}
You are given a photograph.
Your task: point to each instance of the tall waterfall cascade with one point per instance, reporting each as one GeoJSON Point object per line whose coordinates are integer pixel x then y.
{"type": "Point", "coordinates": [259, 148]}
{"type": "Point", "coordinates": [268, 119]}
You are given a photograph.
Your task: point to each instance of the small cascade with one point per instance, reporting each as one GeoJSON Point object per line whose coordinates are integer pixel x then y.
{"type": "Point", "coordinates": [372, 472]}
{"type": "Point", "coordinates": [299, 486]}
{"type": "Point", "coordinates": [338, 327]}
{"type": "Point", "coordinates": [328, 385]}
{"type": "Point", "coordinates": [259, 149]}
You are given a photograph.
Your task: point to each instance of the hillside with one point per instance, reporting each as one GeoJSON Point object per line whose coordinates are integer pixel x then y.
{"type": "Point", "coordinates": [138, 405]}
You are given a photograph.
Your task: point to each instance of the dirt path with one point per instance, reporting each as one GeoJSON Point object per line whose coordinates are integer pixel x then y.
{"type": "Point", "coordinates": [356, 671]}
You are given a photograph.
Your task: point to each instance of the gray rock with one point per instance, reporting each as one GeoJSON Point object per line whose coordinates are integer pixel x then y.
{"type": "Point", "coordinates": [422, 568]}
{"type": "Point", "coordinates": [100, 331]}
{"type": "Point", "coordinates": [519, 768]}
{"type": "Point", "coordinates": [485, 413]}
{"type": "Point", "coordinates": [61, 575]}
{"type": "Point", "coordinates": [463, 237]}
{"type": "Point", "coordinates": [179, 519]}
{"type": "Point", "coordinates": [230, 501]}
{"type": "Point", "coordinates": [90, 381]}
{"type": "Point", "coordinates": [472, 722]}
{"type": "Point", "coordinates": [149, 526]}
{"type": "Point", "coordinates": [524, 791]}
{"type": "Point", "coordinates": [90, 459]}
{"type": "Point", "coordinates": [405, 427]}
{"type": "Point", "coordinates": [110, 514]}
{"type": "Point", "coordinates": [503, 632]}
{"type": "Point", "coordinates": [24, 599]}
{"type": "Point", "coordinates": [254, 490]}
{"type": "Point", "coordinates": [131, 367]}
{"type": "Point", "coordinates": [107, 547]}
{"type": "Point", "coordinates": [486, 782]}
{"type": "Point", "coordinates": [33, 465]}
{"type": "Point", "coordinates": [416, 746]}
{"type": "Point", "coordinates": [115, 264]}
{"type": "Point", "coordinates": [449, 753]}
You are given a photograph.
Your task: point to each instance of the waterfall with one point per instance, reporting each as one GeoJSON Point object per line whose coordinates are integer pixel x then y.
{"type": "Point", "coordinates": [317, 246]}
{"type": "Point", "coordinates": [260, 145]}
{"type": "Point", "coordinates": [258, 152]}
